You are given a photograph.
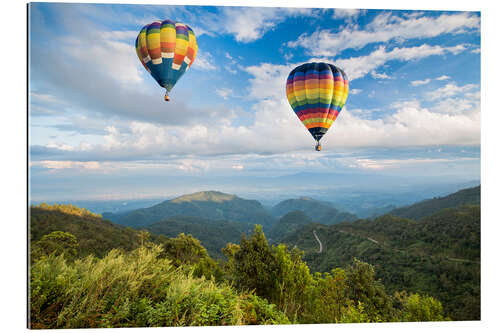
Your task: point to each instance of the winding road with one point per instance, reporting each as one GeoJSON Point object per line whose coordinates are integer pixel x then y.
{"type": "Point", "coordinates": [320, 245]}
{"type": "Point", "coordinates": [396, 250]}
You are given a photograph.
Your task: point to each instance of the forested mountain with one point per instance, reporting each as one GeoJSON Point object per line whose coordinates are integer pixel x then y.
{"type": "Point", "coordinates": [468, 196]}
{"type": "Point", "coordinates": [318, 211]}
{"type": "Point", "coordinates": [213, 234]}
{"type": "Point", "coordinates": [289, 223]}
{"type": "Point", "coordinates": [210, 205]}
{"type": "Point", "coordinates": [438, 255]}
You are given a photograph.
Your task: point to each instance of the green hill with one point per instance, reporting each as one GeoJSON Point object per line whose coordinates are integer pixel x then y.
{"type": "Point", "coordinates": [209, 205]}
{"type": "Point", "coordinates": [468, 196]}
{"type": "Point", "coordinates": [438, 255]}
{"type": "Point", "coordinates": [318, 211]}
{"type": "Point", "coordinates": [213, 234]}
{"type": "Point", "coordinates": [93, 234]}
{"type": "Point", "coordinates": [289, 223]}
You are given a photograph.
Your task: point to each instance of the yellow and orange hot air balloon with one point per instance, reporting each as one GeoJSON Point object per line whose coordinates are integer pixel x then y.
{"type": "Point", "coordinates": [166, 49]}
{"type": "Point", "coordinates": [317, 92]}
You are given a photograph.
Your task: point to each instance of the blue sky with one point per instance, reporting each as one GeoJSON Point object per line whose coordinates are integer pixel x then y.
{"type": "Point", "coordinates": [99, 127]}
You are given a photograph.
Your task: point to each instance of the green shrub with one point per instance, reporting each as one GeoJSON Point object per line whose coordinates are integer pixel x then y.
{"type": "Point", "coordinates": [137, 288]}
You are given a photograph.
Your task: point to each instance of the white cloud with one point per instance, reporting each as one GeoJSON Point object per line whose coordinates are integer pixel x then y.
{"type": "Point", "coordinates": [224, 92]}
{"type": "Point", "coordinates": [443, 78]}
{"type": "Point", "coordinates": [43, 98]}
{"type": "Point", "coordinates": [277, 130]}
{"type": "Point", "coordinates": [346, 13]}
{"type": "Point", "coordinates": [384, 28]}
{"type": "Point", "coordinates": [115, 58]}
{"type": "Point", "coordinates": [355, 91]}
{"type": "Point", "coordinates": [383, 76]}
{"type": "Point", "coordinates": [408, 126]}
{"type": "Point", "coordinates": [379, 164]}
{"type": "Point", "coordinates": [420, 82]}
{"type": "Point", "coordinates": [248, 24]}
{"type": "Point", "coordinates": [357, 67]}
{"type": "Point", "coordinates": [451, 89]}
{"type": "Point", "coordinates": [60, 146]}
{"type": "Point", "coordinates": [126, 36]}
{"type": "Point", "coordinates": [269, 80]}
{"type": "Point", "coordinates": [92, 165]}
{"type": "Point", "coordinates": [204, 61]}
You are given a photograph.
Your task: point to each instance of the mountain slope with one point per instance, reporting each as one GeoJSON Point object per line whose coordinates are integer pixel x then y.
{"type": "Point", "coordinates": [468, 196]}
{"type": "Point", "coordinates": [210, 205]}
{"type": "Point", "coordinates": [213, 234]}
{"type": "Point", "coordinates": [438, 255]}
{"type": "Point", "coordinates": [318, 211]}
{"type": "Point", "coordinates": [94, 234]}
{"type": "Point", "coordinates": [289, 223]}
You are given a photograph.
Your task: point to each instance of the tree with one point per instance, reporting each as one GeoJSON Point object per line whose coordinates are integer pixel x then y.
{"type": "Point", "coordinates": [184, 249]}
{"type": "Point", "coordinates": [57, 243]}
{"type": "Point", "coordinates": [255, 265]}
{"type": "Point", "coordinates": [328, 297]}
{"type": "Point", "coordinates": [292, 279]}
{"type": "Point", "coordinates": [363, 288]}
{"type": "Point", "coordinates": [187, 250]}
{"type": "Point", "coordinates": [421, 308]}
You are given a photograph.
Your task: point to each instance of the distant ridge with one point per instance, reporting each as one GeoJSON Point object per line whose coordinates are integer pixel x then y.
{"type": "Point", "coordinates": [468, 196]}
{"type": "Point", "coordinates": [213, 205]}
{"type": "Point", "coordinates": [214, 196]}
{"type": "Point", "coordinates": [318, 211]}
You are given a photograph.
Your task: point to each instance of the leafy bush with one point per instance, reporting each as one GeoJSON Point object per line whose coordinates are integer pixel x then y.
{"type": "Point", "coordinates": [137, 288]}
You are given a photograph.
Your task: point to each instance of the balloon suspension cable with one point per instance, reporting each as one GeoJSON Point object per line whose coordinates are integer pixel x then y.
{"type": "Point", "coordinates": [167, 98]}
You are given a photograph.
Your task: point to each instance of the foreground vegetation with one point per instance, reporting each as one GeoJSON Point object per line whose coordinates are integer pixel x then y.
{"type": "Point", "coordinates": [174, 282]}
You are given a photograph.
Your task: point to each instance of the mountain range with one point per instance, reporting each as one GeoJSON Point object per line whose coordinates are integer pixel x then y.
{"type": "Point", "coordinates": [211, 205]}
{"type": "Point", "coordinates": [319, 211]}
{"type": "Point", "coordinates": [468, 196]}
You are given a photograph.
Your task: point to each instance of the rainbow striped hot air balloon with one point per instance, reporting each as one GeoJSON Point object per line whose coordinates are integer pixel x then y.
{"type": "Point", "coordinates": [317, 92]}
{"type": "Point", "coordinates": [166, 49]}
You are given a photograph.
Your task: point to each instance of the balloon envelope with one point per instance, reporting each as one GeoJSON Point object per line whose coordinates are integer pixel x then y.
{"type": "Point", "coordinates": [317, 92]}
{"type": "Point", "coordinates": [166, 49]}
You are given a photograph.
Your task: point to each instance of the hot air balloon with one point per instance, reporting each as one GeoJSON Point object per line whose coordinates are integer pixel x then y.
{"type": "Point", "coordinates": [317, 92]}
{"type": "Point", "coordinates": [166, 49]}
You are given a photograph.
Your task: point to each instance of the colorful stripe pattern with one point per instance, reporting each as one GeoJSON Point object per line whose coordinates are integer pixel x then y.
{"type": "Point", "coordinates": [166, 49]}
{"type": "Point", "coordinates": [317, 92]}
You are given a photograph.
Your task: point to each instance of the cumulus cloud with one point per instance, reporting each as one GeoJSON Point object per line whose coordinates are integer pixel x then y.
{"type": "Point", "coordinates": [451, 89]}
{"type": "Point", "coordinates": [443, 78]}
{"type": "Point", "coordinates": [384, 28]}
{"type": "Point", "coordinates": [383, 76]}
{"type": "Point", "coordinates": [204, 61]}
{"type": "Point", "coordinates": [248, 24]}
{"type": "Point", "coordinates": [358, 67]}
{"type": "Point", "coordinates": [347, 13]}
{"type": "Point", "coordinates": [417, 83]}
